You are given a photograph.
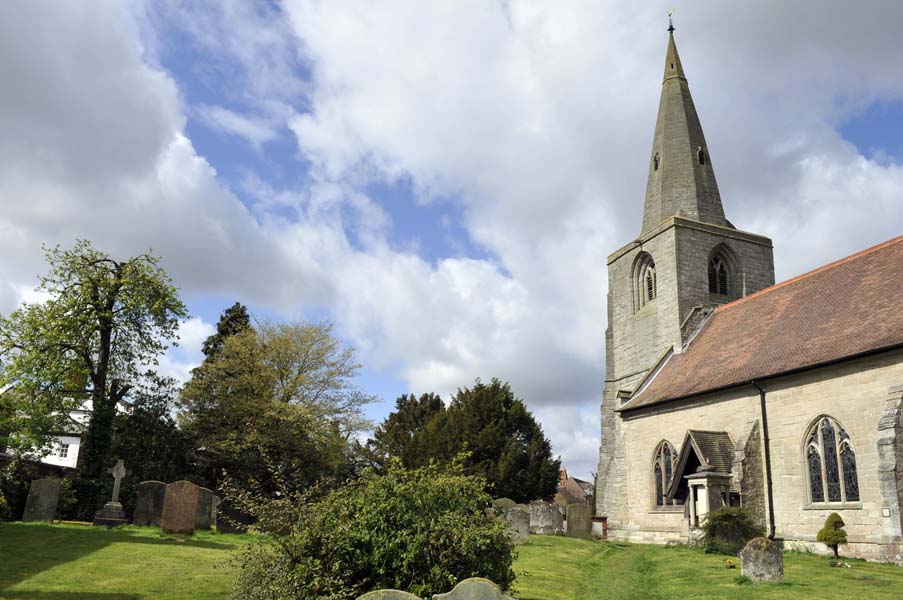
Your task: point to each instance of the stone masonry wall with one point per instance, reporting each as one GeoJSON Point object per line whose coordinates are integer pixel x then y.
{"type": "Point", "coordinates": [855, 393]}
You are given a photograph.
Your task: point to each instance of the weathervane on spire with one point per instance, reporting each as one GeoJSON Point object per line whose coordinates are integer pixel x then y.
{"type": "Point", "coordinates": [670, 23]}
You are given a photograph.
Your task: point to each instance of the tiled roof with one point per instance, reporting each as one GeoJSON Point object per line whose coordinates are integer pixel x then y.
{"type": "Point", "coordinates": [849, 307]}
{"type": "Point", "coordinates": [715, 447]}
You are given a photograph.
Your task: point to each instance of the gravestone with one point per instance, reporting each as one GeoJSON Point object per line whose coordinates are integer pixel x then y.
{"type": "Point", "coordinates": [579, 518]}
{"type": "Point", "coordinates": [545, 518]}
{"type": "Point", "coordinates": [229, 519]}
{"type": "Point", "coordinates": [149, 503]}
{"type": "Point", "coordinates": [180, 507]}
{"type": "Point", "coordinates": [388, 595]}
{"type": "Point", "coordinates": [204, 514]}
{"type": "Point", "coordinates": [762, 560]}
{"type": "Point", "coordinates": [112, 513]}
{"type": "Point", "coordinates": [475, 588]}
{"type": "Point", "coordinates": [518, 525]}
{"type": "Point", "coordinates": [43, 497]}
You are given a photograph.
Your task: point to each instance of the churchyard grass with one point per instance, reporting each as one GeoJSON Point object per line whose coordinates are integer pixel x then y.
{"type": "Point", "coordinates": [78, 562]}
{"type": "Point", "coordinates": [556, 568]}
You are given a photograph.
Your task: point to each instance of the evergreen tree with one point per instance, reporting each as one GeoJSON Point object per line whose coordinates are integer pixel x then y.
{"type": "Point", "coordinates": [401, 435]}
{"type": "Point", "coordinates": [833, 534]}
{"type": "Point", "coordinates": [234, 319]}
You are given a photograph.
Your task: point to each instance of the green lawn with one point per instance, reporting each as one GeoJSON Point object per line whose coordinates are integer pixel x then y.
{"type": "Point", "coordinates": [81, 562]}
{"type": "Point", "coordinates": [76, 562]}
{"type": "Point", "coordinates": [556, 568]}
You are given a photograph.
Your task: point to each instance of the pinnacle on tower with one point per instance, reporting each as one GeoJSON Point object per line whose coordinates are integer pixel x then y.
{"type": "Point", "coordinates": [681, 178]}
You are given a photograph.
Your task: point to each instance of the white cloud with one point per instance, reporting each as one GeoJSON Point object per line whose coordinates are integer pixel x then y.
{"type": "Point", "coordinates": [180, 360]}
{"type": "Point", "coordinates": [256, 131]}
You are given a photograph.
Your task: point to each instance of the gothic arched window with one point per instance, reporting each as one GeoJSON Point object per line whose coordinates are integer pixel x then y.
{"type": "Point", "coordinates": [718, 276]}
{"type": "Point", "coordinates": [664, 462]}
{"type": "Point", "coordinates": [644, 281]}
{"type": "Point", "coordinates": [831, 463]}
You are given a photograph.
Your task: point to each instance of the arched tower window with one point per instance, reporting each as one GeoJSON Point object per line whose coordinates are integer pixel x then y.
{"type": "Point", "coordinates": [831, 463]}
{"type": "Point", "coordinates": [722, 268]}
{"type": "Point", "coordinates": [664, 461]}
{"type": "Point", "coordinates": [644, 281]}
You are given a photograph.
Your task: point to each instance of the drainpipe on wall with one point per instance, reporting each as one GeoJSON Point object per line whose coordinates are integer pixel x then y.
{"type": "Point", "coordinates": [767, 444]}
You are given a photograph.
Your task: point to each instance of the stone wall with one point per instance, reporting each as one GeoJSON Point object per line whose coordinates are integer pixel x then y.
{"type": "Point", "coordinates": [855, 393]}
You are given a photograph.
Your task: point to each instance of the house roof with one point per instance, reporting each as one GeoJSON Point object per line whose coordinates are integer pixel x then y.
{"type": "Point", "coordinates": [844, 309]}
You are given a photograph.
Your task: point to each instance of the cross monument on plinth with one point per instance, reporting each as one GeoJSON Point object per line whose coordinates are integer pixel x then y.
{"type": "Point", "coordinates": [112, 514]}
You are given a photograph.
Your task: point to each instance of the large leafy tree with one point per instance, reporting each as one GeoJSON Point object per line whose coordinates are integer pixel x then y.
{"type": "Point", "coordinates": [402, 434]}
{"type": "Point", "coordinates": [103, 322]}
{"type": "Point", "coordinates": [283, 394]}
{"type": "Point", "coordinates": [503, 442]}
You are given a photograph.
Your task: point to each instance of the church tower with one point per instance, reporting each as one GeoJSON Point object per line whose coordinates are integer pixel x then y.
{"type": "Point", "coordinates": [662, 285]}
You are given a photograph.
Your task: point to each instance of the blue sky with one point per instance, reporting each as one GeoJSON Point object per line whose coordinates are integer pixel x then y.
{"type": "Point", "coordinates": [441, 181]}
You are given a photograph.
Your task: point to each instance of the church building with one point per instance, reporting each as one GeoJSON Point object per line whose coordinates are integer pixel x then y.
{"type": "Point", "coordinates": [722, 388]}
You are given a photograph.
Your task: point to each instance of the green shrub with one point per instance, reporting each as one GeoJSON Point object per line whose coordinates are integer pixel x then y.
{"type": "Point", "coordinates": [417, 530]}
{"type": "Point", "coordinates": [833, 534]}
{"type": "Point", "coordinates": [726, 531]}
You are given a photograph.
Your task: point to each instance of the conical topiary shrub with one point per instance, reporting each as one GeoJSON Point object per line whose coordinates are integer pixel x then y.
{"type": "Point", "coordinates": [833, 534]}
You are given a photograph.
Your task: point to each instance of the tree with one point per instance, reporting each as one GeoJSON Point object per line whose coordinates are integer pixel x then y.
{"type": "Point", "coordinates": [503, 442]}
{"type": "Point", "coordinates": [833, 534]}
{"type": "Point", "coordinates": [103, 322]}
{"type": "Point", "coordinates": [283, 393]}
{"type": "Point", "coordinates": [401, 435]}
{"type": "Point", "coordinates": [234, 319]}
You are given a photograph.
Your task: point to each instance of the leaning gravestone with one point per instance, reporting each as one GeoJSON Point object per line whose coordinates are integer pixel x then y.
{"type": "Point", "coordinates": [204, 514]}
{"type": "Point", "coordinates": [43, 497]}
{"type": "Point", "coordinates": [180, 507]}
{"type": "Point", "coordinates": [545, 518]}
{"type": "Point", "coordinates": [762, 560]}
{"type": "Point", "coordinates": [518, 525]}
{"type": "Point", "coordinates": [579, 518]}
{"type": "Point", "coordinates": [475, 588]}
{"type": "Point", "coordinates": [149, 503]}
{"type": "Point", "coordinates": [388, 595]}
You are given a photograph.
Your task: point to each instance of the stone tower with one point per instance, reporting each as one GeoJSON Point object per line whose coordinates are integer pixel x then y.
{"type": "Point", "coordinates": [662, 285]}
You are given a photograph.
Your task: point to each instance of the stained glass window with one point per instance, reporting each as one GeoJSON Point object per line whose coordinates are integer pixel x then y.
{"type": "Point", "coordinates": [831, 463]}
{"type": "Point", "coordinates": [663, 471]}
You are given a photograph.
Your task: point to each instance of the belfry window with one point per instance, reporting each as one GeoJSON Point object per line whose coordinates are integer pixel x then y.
{"type": "Point", "coordinates": [831, 463]}
{"type": "Point", "coordinates": [663, 463]}
{"type": "Point", "coordinates": [644, 281]}
{"type": "Point", "coordinates": [718, 276]}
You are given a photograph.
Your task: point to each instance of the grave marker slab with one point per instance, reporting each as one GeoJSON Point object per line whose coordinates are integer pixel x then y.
{"type": "Point", "coordinates": [545, 518]}
{"type": "Point", "coordinates": [43, 497]}
{"type": "Point", "coordinates": [180, 507]}
{"type": "Point", "coordinates": [518, 525]}
{"type": "Point", "coordinates": [149, 503]}
{"type": "Point", "coordinates": [475, 588]}
{"type": "Point", "coordinates": [579, 518]}
{"type": "Point", "coordinates": [388, 595]}
{"type": "Point", "coordinates": [204, 512]}
{"type": "Point", "coordinates": [762, 560]}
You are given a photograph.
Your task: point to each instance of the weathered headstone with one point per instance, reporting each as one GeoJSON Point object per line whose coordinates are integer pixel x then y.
{"type": "Point", "coordinates": [231, 520]}
{"type": "Point", "coordinates": [545, 518]}
{"type": "Point", "coordinates": [180, 507]}
{"type": "Point", "coordinates": [518, 525]}
{"type": "Point", "coordinates": [43, 497]}
{"type": "Point", "coordinates": [388, 595]}
{"type": "Point", "coordinates": [475, 588]}
{"type": "Point", "coordinates": [112, 513]}
{"type": "Point", "coordinates": [204, 515]}
{"type": "Point", "coordinates": [579, 518]}
{"type": "Point", "coordinates": [149, 503]}
{"type": "Point", "coordinates": [762, 560]}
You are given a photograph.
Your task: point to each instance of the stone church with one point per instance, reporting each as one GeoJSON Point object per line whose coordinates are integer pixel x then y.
{"type": "Point", "coordinates": [722, 388]}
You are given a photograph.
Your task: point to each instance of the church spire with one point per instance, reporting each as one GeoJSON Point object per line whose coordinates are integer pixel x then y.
{"type": "Point", "coordinates": [681, 178]}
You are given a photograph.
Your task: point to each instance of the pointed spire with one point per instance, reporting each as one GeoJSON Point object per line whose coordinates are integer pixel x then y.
{"type": "Point", "coordinates": [681, 179]}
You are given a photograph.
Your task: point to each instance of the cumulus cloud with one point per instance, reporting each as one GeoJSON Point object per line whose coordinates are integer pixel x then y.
{"type": "Point", "coordinates": [536, 119]}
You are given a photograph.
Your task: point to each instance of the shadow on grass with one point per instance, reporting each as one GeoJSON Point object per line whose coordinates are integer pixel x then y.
{"type": "Point", "coordinates": [29, 549]}
{"type": "Point", "coordinates": [32, 595]}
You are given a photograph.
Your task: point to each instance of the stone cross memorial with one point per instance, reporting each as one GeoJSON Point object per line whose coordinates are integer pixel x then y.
{"type": "Point", "coordinates": [112, 513]}
{"type": "Point", "coordinates": [43, 496]}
